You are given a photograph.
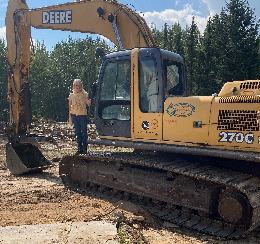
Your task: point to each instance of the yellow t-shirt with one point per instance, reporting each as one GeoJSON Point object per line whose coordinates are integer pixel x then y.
{"type": "Point", "coordinates": [78, 103]}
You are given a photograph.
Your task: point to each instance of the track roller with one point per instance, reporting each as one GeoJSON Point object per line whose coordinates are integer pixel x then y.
{"type": "Point", "coordinates": [234, 208]}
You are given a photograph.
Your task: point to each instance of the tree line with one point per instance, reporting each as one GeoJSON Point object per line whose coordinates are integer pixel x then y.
{"type": "Point", "coordinates": [228, 49]}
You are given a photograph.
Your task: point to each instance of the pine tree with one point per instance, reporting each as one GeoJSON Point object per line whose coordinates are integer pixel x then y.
{"type": "Point", "coordinates": [212, 55]}
{"type": "Point", "coordinates": [229, 47]}
{"type": "Point", "coordinates": [191, 56]}
{"type": "Point", "coordinates": [242, 58]}
{"type": "Point", "coordinates": [3, 82]}
{"type": "Point", "coordinates": [165, 43]}
{"type": "Point", "coordinates": [39, 79]}
{"type": "Point", "coordinates": [178, 39]}
{"type": "Point", "coordinates": [157, 34]}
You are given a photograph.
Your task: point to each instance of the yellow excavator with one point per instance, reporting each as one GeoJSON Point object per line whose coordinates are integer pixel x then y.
{"type": "Point", "coordinates": [205, 174]}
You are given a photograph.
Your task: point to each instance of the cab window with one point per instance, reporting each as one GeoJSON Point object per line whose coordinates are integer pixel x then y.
{"type": "Point", "coordinates": [173, 79]}
{"type": "Point", "coordinates": [116, 81]}
{"type": "Point", "coordinates": [115, 91]}
{"type": "Point", "coordinates": [148, 85]}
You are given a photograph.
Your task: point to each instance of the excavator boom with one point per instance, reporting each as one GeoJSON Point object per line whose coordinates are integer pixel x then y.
{"type": "Point", "coordinates": [117, 22]}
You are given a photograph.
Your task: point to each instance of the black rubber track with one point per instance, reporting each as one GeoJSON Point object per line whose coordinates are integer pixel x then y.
{"type": "Point", "coordinates": [246, 184]}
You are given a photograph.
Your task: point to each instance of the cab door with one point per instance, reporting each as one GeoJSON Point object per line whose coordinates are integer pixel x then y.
{"type": "Point", "coordinates": [112, 116]}
{"type": "Point", "coordinates": [146, 95]}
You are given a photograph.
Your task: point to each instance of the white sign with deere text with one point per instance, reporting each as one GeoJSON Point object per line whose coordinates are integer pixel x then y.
{"type": "Point", "coordinates": [57, 17]}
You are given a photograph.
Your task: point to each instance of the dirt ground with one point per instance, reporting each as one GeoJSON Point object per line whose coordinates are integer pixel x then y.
{"type": "Point", "coordinates": [42, 198]}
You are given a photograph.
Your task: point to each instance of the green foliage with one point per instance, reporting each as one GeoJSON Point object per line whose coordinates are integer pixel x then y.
{"type": "Point", "coordinates": [241, 32]}
{"type": "Point", "coordinates": [52, 74]}
{"type": "Point", "coordinates": [212, 57]}
{"type": "Point", "coordinates": [228, 49]}
{"type": "Point", "coordinates": [192, 56]}
{"type": "Point", "coordinates": [39, 78]}
{"type": "Point", "coordinates": [177, 39]}
{"type": "Point", "coordinates": [3, 82]}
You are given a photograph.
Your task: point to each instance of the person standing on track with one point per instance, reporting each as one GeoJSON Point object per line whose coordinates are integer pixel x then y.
{"type": "Point", "coordinates": [78, 102]}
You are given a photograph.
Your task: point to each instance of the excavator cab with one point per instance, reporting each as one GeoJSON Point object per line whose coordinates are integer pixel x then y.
{"type": "Point", "coordinates": [132, 88]}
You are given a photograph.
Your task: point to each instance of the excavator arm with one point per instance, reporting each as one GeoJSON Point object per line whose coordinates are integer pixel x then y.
{"type": "Point", "coordinates": [117, 22]}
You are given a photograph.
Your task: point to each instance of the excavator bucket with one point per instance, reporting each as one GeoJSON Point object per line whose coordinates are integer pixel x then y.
{"type": "Point", "coordinates": [22, 158]}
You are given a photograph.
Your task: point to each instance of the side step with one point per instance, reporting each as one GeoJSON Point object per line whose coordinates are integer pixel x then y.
{"type": "Point", "coordinates": [205, 151]}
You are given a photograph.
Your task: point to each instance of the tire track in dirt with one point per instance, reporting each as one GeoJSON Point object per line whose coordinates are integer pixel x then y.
{"type": "Point", "coordinates": [42, 198]}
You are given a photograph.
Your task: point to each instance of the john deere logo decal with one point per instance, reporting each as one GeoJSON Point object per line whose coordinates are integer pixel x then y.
{"type": "Point", "coordinates": [145, 125]}
{"type": "Point", "coordinates": [180, 109]}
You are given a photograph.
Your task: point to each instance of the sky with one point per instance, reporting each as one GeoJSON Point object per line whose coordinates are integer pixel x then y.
{"type": "Point", "coordinates": [155, 12]}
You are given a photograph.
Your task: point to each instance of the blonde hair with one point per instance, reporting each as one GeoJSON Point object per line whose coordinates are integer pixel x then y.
{"type": "Point", "coordinates": [77, 81]}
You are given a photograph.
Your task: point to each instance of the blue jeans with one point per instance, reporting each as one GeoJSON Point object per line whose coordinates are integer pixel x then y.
{"type": "Point", "coordinates": [80, 126]}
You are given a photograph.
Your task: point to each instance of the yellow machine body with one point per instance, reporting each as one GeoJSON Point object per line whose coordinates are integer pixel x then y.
{"type": "Point", "coordinates": [221, 122]}
{"type": "Point", "coordinates": [225, 121]}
